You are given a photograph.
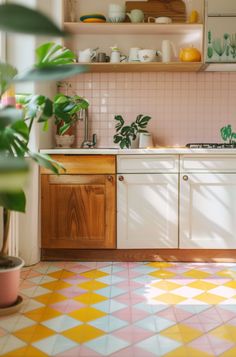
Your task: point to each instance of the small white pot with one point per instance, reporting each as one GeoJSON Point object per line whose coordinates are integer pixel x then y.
{"type": "Point", "coordinates": [135, 143]}
{"type": "Point", "coordinates": [65, 141]}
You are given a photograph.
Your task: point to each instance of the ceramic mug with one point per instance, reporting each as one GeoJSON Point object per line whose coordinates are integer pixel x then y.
{"type": "Point", "coordinates": [136, 15]}
{"type": "Point", "coordinates": [133, 54]}
{"type": "Point", "coordinates": [102, 57]}
{"type": "Point", "coordinates": [160, 20]}
{"type": "Point", "coordinates": [116, 57]}
{"type": "Point", "coordinates": [147, 55]}
{"type": "Point", "coordinates": [87, 55]}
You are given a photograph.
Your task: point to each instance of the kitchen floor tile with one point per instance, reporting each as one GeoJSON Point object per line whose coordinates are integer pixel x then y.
{"type": "Point", "coordinates": [91, 309]}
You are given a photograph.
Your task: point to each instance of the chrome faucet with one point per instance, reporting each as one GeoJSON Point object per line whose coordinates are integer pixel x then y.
{"type": "Point", "coordinates": [86, 142]}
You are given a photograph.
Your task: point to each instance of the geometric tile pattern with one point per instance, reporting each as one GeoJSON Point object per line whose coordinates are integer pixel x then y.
{"type": "Point", "coordinates": [89, 309]}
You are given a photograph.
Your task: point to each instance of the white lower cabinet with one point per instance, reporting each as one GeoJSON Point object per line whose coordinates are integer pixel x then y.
{"type": "Point", "coordinates": [147, 206]}
{"type": "Point", "coordinates": [207, 210]}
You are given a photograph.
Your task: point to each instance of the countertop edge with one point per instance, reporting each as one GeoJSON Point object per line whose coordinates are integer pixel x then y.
{"type": "Point", "coordinates": [154, 151]}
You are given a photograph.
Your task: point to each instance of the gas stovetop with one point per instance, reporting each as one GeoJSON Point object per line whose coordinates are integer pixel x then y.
{"type": "Point", "coordinates": [211, 146]}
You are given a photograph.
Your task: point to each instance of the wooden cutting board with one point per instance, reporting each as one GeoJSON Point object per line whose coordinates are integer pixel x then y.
{"type": "Point", "coordinates": [175, 9]}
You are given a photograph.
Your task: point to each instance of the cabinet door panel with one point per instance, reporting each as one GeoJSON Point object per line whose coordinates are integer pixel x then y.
{"type": "Point", "coordinates": [208, 211]}
{"type": "Point", "coordinates": [148, 211]}
{"type": "Point", "coordinates": [78, 211]}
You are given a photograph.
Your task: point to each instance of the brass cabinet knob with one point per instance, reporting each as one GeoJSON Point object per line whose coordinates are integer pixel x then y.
{"type": "Point", "coordinates": [121, 178]}
{"type": "Point", "coordinates": [185, 178]}
{"type": "Point", "coordinates": [110, 178]}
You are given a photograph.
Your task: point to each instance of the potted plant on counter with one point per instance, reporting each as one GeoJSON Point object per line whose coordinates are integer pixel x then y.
{"type": "Point", "coordinates": [53, 63]}
{"type": "Point", "coordinates": [128, 135]}
{"type": "Point", "coordinates": [67, 110]}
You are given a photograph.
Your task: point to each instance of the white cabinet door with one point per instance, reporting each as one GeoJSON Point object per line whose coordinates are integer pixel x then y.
{"type": "Point", "coordinates": [207, 211]}
{"type": "Point", "coordinates": [147, 211]}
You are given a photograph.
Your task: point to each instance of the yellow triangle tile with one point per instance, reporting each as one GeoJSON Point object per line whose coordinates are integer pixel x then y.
{"type": "Point", "coordinates": [56, 285]}
{"type": "Point", "coordinates": [28, 351]}
{"type": "Point", "coordinates": [90, 298]}
{"type": "Point", "coordinates": [83, 333]}
{"type": "Point", "coordinates": [160, 264]}
{"type": "Point", "coordinates": [162, 274]}
{"type": "Point", "coordinates": [227, 274]}
{"type": "Point", "coordinates": [165, 285]}
{"type": "Point", "coordinates": [42, 314]}
{"type": "Point", "coordinates": [196, 274]}
{"type": "Point", "coordinates": [34, 333]}
{"type": "Point", "coordinates": [210, 298]}
{"type": "Point", "coordinates": [92, 285]}
{"type": "Point", "coordinates": [231, 284]}
{"type": "Point", "coordinates": [94, 274]}
{"type": "Point", "coordinates": [232, 332]}
{"type": "Point", "coordinates": [193, 352]}
{"type": "Point", "coordinates": [87, 314]}
{"type": "Point", "coordinates": [229, 353]}
{"type": "Point", "coordinates": [221, 332]}
{"type": "Point", "coordinates": [62, 274]}
{"type": "Point", "coordinates": [189, 333]}
{"type": "Point", "coordinates": [202, 285]}
{"type": "Point", "coordinates": [178, 352]}
{"type": "Point", "coordinates": [50, 298]}
{"type": "Point", "coordinates": [169, 298]}
{"type": "Point", "coordinates": [185, 351]}
{"type": "Point", "coordinates": [172, 332]}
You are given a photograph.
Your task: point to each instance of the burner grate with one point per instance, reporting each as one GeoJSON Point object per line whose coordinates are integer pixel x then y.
{"type": "Point", "coordinates": [211, 146]}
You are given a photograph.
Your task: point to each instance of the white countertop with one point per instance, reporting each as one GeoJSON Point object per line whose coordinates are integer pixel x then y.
{"type": "Point", "coordinates": [151, 151]}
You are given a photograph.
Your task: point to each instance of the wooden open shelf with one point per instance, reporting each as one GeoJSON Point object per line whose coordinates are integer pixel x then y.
{"type": "Point", "coordinates": [124, 28]}
{"type": "Point", "coordinates": [144, 67]}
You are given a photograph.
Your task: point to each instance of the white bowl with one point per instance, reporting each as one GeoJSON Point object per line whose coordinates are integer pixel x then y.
{"type": "Point", "coordinates": [147, 55]}
{"type": "Point", "coordinates": [116, 18]}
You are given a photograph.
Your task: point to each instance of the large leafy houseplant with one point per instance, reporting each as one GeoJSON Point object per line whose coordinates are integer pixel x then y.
{"type": "Point", "coordinates": [53, 63]}
{"type": "Point", "coordinates": [125, 134]}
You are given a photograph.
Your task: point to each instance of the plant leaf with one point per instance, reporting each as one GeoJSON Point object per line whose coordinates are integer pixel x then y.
{"type": "Point", "coordinates": [20, 19]}
{"type": "Point", "coordinates": [64, 128]}
{"type": "Point", "coordinates": [13, 173]}
{"type": "Point", "coordinates": [50, 73]}
{"type": "Point", "coordinates": [7, 73]}
{"type": "Point", "coordinates": [9, 115]}
{"type": "Point", "coordinates": [14, 201]}
{"type": "Point", "coordinates": [47, 162]}
{"type": "Point", "coordinates": [53, 54]}
{"type": "Point", "coordinates": [226, 132]}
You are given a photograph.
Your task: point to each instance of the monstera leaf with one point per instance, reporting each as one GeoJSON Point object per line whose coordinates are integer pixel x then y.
{"type": "Point", "coordinates": [20, 19]}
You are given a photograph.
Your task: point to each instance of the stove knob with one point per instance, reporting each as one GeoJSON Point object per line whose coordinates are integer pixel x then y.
{"type": "Point", "coordinates": [185, 178]}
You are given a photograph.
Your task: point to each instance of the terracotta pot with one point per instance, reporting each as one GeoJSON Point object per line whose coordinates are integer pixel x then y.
{"type": "Point", "coordinates": [9, 283]}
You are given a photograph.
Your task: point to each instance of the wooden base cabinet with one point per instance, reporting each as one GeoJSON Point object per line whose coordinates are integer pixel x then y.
{"type": "Point", "coordinates": [78, 211]}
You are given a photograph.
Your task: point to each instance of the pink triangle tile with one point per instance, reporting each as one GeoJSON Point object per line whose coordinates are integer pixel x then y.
{"type": "Point", "coordinates": [67, 306]}
{"type": "Point", "coordinates": [133, 334]}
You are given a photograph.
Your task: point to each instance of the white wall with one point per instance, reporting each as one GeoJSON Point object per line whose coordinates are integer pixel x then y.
{"type": "Point", "coordinates": [20, 53]}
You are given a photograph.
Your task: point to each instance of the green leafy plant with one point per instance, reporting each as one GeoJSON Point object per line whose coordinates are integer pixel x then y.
{"type": "Point", "coordinates": [126, 133]}
{"type": "Point", "coordinates": [66, 110]}
{"type": "Point", "coordinates": [54, 62]}
{"type": "Point", "coordinates": [227, 134]}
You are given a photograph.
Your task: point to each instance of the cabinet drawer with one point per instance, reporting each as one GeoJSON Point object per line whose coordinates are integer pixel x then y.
{"type": "Point", "coordinates": [147, 163]}
{"type": "Point", "coordinates": [206, 163]}
{"type": "Point", "coordinates": [85, 164]}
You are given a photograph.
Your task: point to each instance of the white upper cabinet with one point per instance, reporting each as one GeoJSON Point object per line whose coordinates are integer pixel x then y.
{"type": "Point", "coordinates": [221, 7]}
